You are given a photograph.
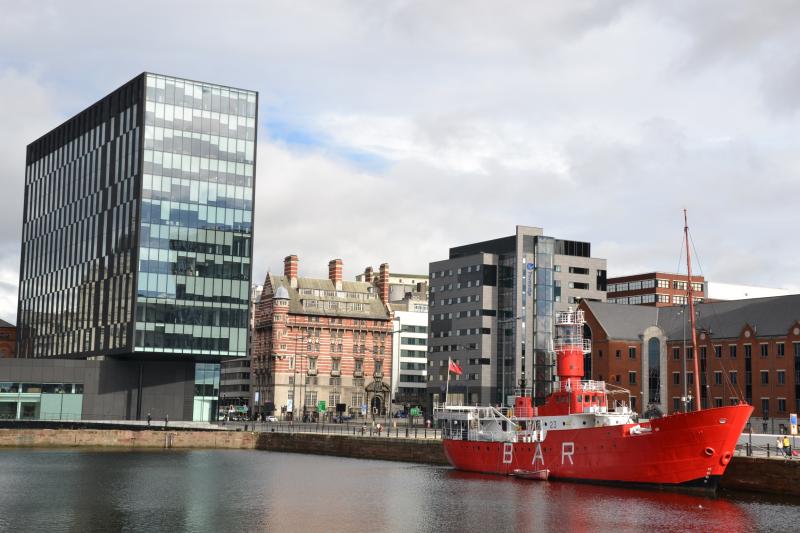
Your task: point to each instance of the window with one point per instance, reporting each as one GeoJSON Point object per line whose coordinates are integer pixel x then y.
{"type": "Point", "coordinates": [717, 377]}
{"type": "Point", "coordinates": [717, 402]}
{"type": "Point", "coordinates": [676, 378]}
{"type": "Point", "coordinates": [635, 285]}
{"type": "Point", "coordinates": [335, 364]}
{"type": "Point", "coordinates": [679, 286]}
{"type": "Point", "coordinates": [697, 287]}
{"type": "Point", "coordinates": [312, 363]}
{"type": "Point", "coordinates": [619, 354]}
{"type": "Point", "coordinates": [648, 283]}
{"type": "Point", "coordinates": [631, 352]}
{"type": "Point", "coordinates": [703, 352]}
{"type": "Point", "coordinates": [662, 283]}
{"type": "Point", "coordinates": [748, 351]}
{"type": "Point", "coordinates": [679, 300]}
{"type": "Point", "coordinates": [632, 378]}
{"type": "Point", "coordinates": [690, 378]}
{"type": "Point", "coordinates": [690, 352]}
{"type": "Point", "coordinates": [765, 377]}
{"type": "Point", "coordinates": [781, 377]}
{"type": "Point", "coordinates": [765, 350]}
{"type": "Point", "coordinates": [781, 405]}
{"type": "Point", "coordinates": [676, 353]}
{"type": "Point", "coordinates": [676, 404]}
{"type": "Point", "coordinates": [734, 377]}
{"type": "Point", "coordinates": [781, 349]}
{"type": "Point", "coordinates": [765, 406]}
{"type": "Point", "coordinates": [718, 351]}
{"type": "Point", "coordinates": [732, 351]}
{"type": "Point", "coordinates": [663, 298]}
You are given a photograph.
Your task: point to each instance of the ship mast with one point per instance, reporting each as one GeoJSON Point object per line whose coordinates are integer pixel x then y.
{"type": "Point", "coordinates": [695, 351]}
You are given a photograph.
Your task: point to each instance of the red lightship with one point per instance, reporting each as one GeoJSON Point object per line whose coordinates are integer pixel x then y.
{"type": "Point", "coordinates": [581, 433]}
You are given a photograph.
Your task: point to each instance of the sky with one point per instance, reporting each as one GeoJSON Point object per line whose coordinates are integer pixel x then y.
{"type": "Point", "coordinates": [390, 131]}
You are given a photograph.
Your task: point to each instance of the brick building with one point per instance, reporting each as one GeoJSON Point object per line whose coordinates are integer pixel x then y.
{"type": "Point", "coordinates": [8, 339]}
{"type": "Point", "coordinates": [325, 340]}
{"type": "Point", "coordinates": [657, 289]}
{"type": "Point", "coordinates": [749, 349]}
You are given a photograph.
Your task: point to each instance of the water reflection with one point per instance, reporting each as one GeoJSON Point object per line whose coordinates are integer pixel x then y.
{"type": "Point", "coordinates": [247, 491]}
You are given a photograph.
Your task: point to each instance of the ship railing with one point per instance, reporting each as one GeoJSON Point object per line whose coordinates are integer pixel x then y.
{"type": "Point", "coordinates": [574, 342]}
{"type": "Point", "coordinates": [589, 385]}
{"type": "Point", "coordinates": [567, 318]}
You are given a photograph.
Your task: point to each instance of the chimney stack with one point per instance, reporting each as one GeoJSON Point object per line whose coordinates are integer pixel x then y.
{"type": "Point", "coordinates": [335, 272]}
{"type": "Point", "coordinates": [383, 283]}
{"type": "Point", "coordinates": [290, 267]}
{"type": "Point", "coordinates": [368, 274]}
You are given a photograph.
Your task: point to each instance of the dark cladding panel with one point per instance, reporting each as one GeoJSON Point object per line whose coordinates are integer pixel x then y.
{"type": "Point", "coordinates": [79, 232]}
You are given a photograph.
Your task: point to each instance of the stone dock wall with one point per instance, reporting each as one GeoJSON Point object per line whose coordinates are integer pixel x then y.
{"type": "Point", "coordinates": [125, 438]}
{"type": "Point", "coordinates": [773, 476]}
{"type": "Point", "coordinates": [381, 448]}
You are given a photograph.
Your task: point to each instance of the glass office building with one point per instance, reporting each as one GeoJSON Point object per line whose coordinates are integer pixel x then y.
{"type": "Point", "coordinates": [137, 228]}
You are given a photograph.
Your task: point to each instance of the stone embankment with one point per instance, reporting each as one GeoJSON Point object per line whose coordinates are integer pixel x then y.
{"type": "Point", "coordinates": [126, 438]}
{"type": "Point", "coordinates": [754, 474]}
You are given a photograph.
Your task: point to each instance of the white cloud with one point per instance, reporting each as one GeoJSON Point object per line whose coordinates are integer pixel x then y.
{"type": "Point", "coordinates": [599, 121]}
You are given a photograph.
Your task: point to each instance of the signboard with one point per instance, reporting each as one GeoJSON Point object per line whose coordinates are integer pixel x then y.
{"type": "Point", "coordinates": [321, 406]}
{"type": "Point", "coordinates": [289, 404]}
{"type": "Point", "coordinates": [415, 411]}
{"type": "Point", "coordinates": [793, 423]}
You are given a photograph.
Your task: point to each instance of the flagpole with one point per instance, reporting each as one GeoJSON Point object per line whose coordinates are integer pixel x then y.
{"type": "Point", "coordinates": [447, 388]}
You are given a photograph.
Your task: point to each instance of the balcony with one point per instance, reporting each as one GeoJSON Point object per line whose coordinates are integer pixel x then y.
{"type": "Point", "coordinates": [312, 371]}
{"type": "Point", "coordinates": [358, 373]}
{"type": "Point", "coordinates": [336, 373]}
{"type": "Point", "coordinates": [378, 374]}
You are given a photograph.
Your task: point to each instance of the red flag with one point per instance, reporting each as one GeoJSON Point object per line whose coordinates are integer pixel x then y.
{"type": "Point", "coordinates": [454, 368]}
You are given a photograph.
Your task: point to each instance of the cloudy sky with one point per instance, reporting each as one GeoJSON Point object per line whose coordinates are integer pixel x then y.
{"type": "Point", "coordinates": [390, 131]}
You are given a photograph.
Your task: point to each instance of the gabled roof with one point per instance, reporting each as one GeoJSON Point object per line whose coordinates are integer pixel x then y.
{"type": "Point", "coordinates": [623, 322]}
{"type": "Point", "coordinates": [372, 306]}
{"type": "Point", "coordinates": [770, 317]}
{"type": "Point", "coordinates": [4, 324]}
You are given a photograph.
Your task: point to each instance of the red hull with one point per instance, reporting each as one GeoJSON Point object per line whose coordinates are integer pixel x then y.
{"type": "Point", "coordinates": [684, 449]}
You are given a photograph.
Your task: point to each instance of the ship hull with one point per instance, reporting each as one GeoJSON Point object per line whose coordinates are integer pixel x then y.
{"type": "Point", "coordinates": [689, 450]}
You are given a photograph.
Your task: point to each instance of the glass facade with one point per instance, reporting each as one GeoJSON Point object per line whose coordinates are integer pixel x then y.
{"type": "Point", "coordinates": [41, 401]}
{"type": "Point", "coordinates": [137, 227]}
{"type": "Point", "coordinates": [195, 243]}
{"type": "Point", "coordinates": [206, 391]}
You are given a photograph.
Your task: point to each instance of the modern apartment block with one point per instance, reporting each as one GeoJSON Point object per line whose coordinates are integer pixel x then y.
{"type": "Point", "coordinates": [492, 307]}
{"type": "Point", "coordinates": [410, 349]}
{"type": "Point", "coordinates": [137, 237]}
{"type": "Point", "coordinates": [749, 350]}
{"type": "Point", "coordinates": [323, 346]}
{"type": "Point", "coordinates": [657, 289]}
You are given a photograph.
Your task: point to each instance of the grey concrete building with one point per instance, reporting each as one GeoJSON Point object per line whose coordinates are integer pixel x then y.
{"type": "Point", "coordinates": [491, 309]}
{"type": "Point", "coordinates": [110, 389]}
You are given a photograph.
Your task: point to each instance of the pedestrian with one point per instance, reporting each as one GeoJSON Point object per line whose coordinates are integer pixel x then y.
{"type": "Point", "coordinates": [149, 418]}
{"type": "Point", "coordinates": [787, 446]}
{"type": "Point", "coordinates": [379, 429]}
{"type": "Point", "coordinates": [779, 446]}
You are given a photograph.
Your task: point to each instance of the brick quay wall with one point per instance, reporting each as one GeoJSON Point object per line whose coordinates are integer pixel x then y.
{"type": "Point", "coordinates": [774, 476]}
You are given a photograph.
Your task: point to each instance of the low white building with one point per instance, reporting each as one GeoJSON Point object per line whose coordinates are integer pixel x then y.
{"type": "Point", "coordinates": [410, 351]}
{"type": "Point", "coordinates": [731, 291]}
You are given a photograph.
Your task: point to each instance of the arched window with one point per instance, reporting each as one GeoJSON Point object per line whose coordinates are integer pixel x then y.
{"type": "Point", "coordinates": [654, 372]}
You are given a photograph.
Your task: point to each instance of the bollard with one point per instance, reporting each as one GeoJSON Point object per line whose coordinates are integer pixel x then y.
{"type": "Point", "coordinates": [767, 450]}
{"type": "Point", "coordinates": [415, 433]}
